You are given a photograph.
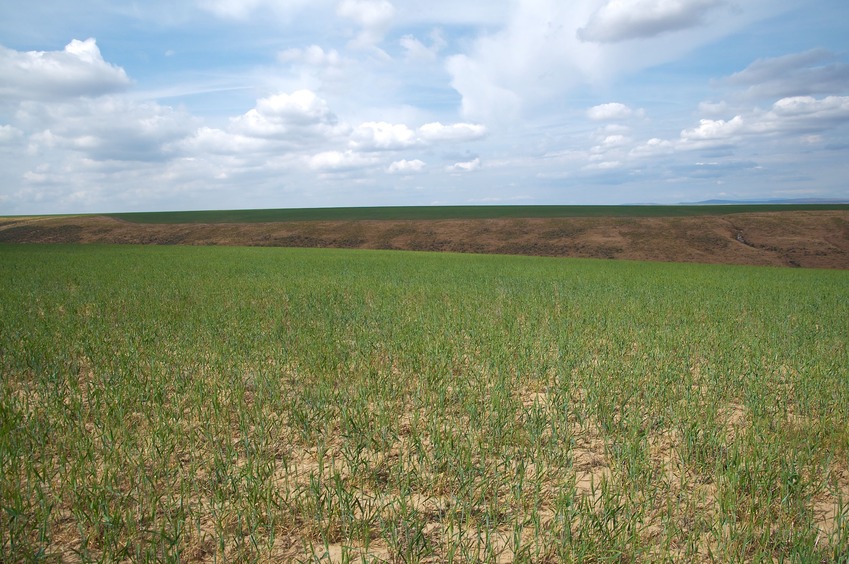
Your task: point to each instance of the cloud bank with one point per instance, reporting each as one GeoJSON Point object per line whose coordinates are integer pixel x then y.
{"type": "Point", "coordinates": [267, 103]}
{"type": "Point", "coordinates": [77, 70]}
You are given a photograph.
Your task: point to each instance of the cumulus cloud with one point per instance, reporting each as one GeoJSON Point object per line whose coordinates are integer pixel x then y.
{"type": "Point", "coordinates": [374, 136]}
{"type": "Point", "coordinates": [302, 107]}
{"type": "Point", "coordinates": [612, 142]}
{"type": "Point", "coordinates": [339, 161]}
{"type": "Point", "coordinates": [455, 132]}
{"type": "Point", "coordinates": [793, 115]}
{"type": "Point", "coordinates": [713, 130]}
{"type": "Point", "coordinates": [813, 72]}
{"type": "Point", "coordinates": [466, 166]}
{"type": "Point", "coordinates": [808, 113]}
{"type": "Point", "coordinates": [382, 136]}
{"type": "Point", "coordinates": [287, 123]}
{"type": "Point", "coordinates": [108, 128]}
{"type": "Point", "coordinates": [78, 70]}
{"type": "Point", "coordinates": [620, 20]}
{"type": "Point", "coordinates": [299, 122]}
{"type": "Point", "coordinates": [483, 97]}
{"type": "Point", "coordinates": [208, 140]}
{"type": "Point", "coordinates": [801, 120]}
{"type": "Point", "coordinates": [406, 167]}
{"type": "Point", "coordinates": [296, 117]}
{"type": "Point", "coordinates": [611, 111]}
{"type": "Point", "coordinates": [523, 68]}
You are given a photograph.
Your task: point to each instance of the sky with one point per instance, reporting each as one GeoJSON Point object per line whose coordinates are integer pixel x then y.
{"type": "Point", "coordinates": [110, 105]}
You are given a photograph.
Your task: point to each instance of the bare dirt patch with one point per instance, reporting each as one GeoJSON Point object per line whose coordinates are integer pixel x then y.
{"type": "Point", "coordinates": [814, 239]}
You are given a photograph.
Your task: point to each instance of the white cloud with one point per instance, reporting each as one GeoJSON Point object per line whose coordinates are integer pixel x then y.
{"type": "Point", "coordinates": [653, 147]}
{"type": "Point", "coordinates": [603, 165]}
{"type": "Point", "coordinates": [382, 136]}
{"type": "Point", "coordinates": [509, 70]}
{"type": "Point", "coordinates": [297, 117]}
{"type": "Point", "coordinates": [793, 115]}
{"type": "Point", "coordinates": [368, 13]}
{"type": "Point", "coordinates": [610, 111]}
{"type": "Point", "coordinates": [713, 108]}
{"type": "Point", "coordinates": [483, 97]}
{"type": "Point", "coordinates": [294, 131]}
{"type": "Point", "coordinates": [519, 67]}
{"type": "Point", "coordinates": [406, 167]}
{"type": "Point", "coordinates": [33, 177]}
{"type": "Point", "coordinates": [418, 51]}
{"type": "Point", "coordinates": [302, 107]}
{"type": "Point", "coordinates": [714, 130]}
{"type": "Point", "coordinates": [10, 135]}
{"type": "Point", "coordinates": [455, 132]}
{"type": "Point", "coordinates": [242, 9]}
{"type": "Point", "coordinates": [614, 142]}
{"type": "Point", "coordinates": [238, 9]}
{"type": "Point", "coordinates": [374, 16]}
{"type": "Point", "coordinates": [313, 55]}
{"type": "Point", "coordinates": [207, 140]}
{"type": "Point", "coordinates": [467, 166]}
{"type": "Point", "coordinates": [107, 128]}
{"type": "Point", "coordinates": [78, 70]}
{"type": "Point", "coordinates": [281, 124]}
{"type": "Point", "coordinates": [339, 161]}
{"type": "Point", "coordinates": [620, 20]}
{"type": "Point", "coordinates": [808, 110]}
{"type": "Point", "coordinates": [468, 13]}
{"type": "Point", "coordinates": [614, 129]}
{"type": "Point", "coordinates": [524, 68]}
{"type": "Point", "coordinates": [371, 136]}
{"type": "Point", "coordinates": [813, 72]}
{"type": "Point", "coordinates": [536, 57]}
{"type": "Point", "coordinates": [802, 115]}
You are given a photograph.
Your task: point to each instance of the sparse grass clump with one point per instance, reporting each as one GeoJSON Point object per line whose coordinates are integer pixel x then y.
{"type": "Point", "coordinates": [227, 404]}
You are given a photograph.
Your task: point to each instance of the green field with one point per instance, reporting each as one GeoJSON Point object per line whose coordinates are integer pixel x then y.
{"type": "Point", "coordinates": [457, 212]}
{"type": "Point", "coordinates": [247, 404]}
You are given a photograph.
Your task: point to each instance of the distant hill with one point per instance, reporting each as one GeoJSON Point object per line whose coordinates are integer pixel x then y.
{"type": "Point", "coordinates": [807, 235]}
{"type": "Point", "coordinates": [774, 201]}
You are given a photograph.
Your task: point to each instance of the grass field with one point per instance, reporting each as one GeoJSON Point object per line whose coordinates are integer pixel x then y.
{"type": "Point", "coordinates": [457, 212]}
{"type": "Point", "coordinates": [248, 404]}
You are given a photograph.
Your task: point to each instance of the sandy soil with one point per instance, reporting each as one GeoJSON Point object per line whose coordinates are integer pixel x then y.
{"type": "Point", "coordinates": [813, 239]}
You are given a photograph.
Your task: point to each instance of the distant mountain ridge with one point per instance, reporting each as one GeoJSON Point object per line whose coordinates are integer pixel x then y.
{"type": "Point", "coordinates": [769, 201]}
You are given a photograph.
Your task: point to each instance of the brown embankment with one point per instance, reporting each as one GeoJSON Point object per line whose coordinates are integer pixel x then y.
{"type": "Point", "coordinates": [814, 239]}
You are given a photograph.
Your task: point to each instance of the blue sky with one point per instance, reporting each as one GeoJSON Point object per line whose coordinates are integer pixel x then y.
{"type": "Point", "coordinates": [215, 104]}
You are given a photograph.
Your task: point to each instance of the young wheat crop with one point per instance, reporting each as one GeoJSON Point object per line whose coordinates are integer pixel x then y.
{"type": "Point", "coordinates": [237, 404]}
